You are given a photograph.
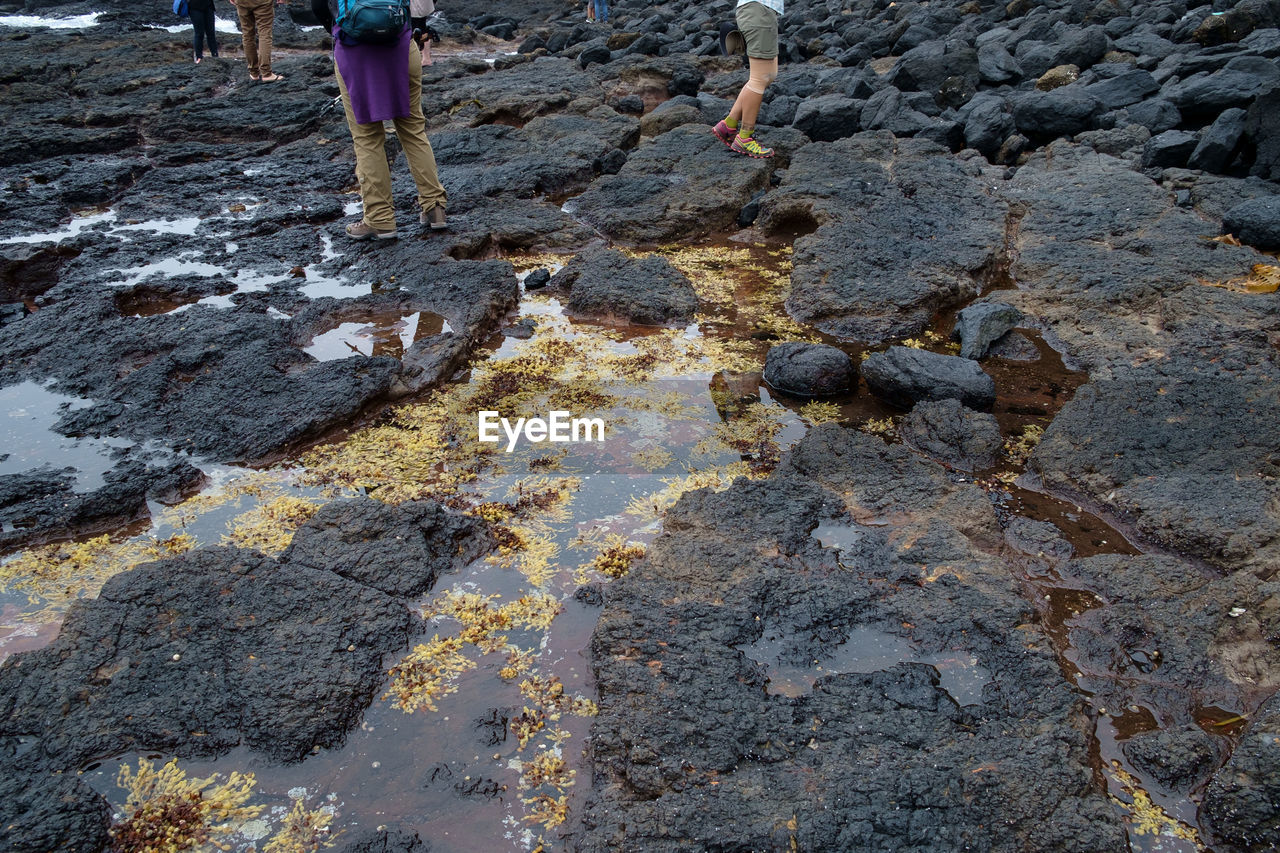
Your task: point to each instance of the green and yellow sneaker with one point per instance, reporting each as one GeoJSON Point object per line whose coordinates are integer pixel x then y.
{"type": "Point", "coordinates": [748, 145]}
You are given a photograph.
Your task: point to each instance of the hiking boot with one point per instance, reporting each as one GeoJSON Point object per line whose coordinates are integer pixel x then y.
{"type": "Point", "coordinates": [433, 216]}
{"type": "Point", "coordinates": [748, 145]}
{"type": "Point", "coordinates": [363, 231]}
{"type": "Point", "coordinates": [724, 133]}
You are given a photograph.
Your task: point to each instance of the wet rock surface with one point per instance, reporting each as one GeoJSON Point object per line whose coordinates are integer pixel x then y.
{"type": "Point", "coordinates": [688, 728]}
{"type": "Point", "coordinates": [951, 433]}
{"type": "Point", "coordinates": [605, 284]}
{"type": "Point", "coordinates": [901, 231]}
{"type": "Point", "coordinates": [904, 376]}
{"type": "Point", "coordinates": [1238, 802]}
{"type": "Point", "coordinates": [220, 647]}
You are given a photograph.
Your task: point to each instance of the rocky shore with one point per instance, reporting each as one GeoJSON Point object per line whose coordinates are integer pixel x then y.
{"type": "Point", "coordinates": [864, 647]}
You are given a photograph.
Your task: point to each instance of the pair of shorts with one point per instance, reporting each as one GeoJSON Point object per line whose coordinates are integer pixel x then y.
{"type": "Point", "coordinates": [759, 27]}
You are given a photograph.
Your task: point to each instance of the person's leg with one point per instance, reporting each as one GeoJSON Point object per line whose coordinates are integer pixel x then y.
{"type": "Point", "coordinates": [412, 134]}
{"type": "Point", "coordinates": [249, 37]}
{"type": "Point", "coordinates": [372, 171]}
{"type": "Point", "coordinates": [197, 33]}
{"type": "Point", "coordinates": [265, 17]}
{"type": "Point", "coordinates": [747, 105]}
{"type": "Point", "coordinates": [602, 11]}
{"type": "Point", "coordinates": [211, 31]}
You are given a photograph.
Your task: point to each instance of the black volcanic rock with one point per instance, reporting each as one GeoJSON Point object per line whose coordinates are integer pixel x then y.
{"type": "Point", "coordinates": [809, 370]}
{"type": "Point", "coordinates": [904, 376]}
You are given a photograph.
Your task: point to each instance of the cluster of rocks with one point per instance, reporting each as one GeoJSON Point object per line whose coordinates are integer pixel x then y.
{"type": "Point", "coordinates": [1177, 83]}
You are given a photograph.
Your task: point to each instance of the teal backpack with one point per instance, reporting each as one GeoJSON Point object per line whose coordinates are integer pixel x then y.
{"type": "Point", "coordinates": [372, 21]}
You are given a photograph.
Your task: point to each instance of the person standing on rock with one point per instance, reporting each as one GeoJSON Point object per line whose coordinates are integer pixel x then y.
{"type": "Point", "coordinates": [419, 11]}
{"type": "Point", "coordinates": [257, 18]}
{"type": "Point", "coordinates": [602, 10]}
{"type": "Point", "coordinates": [758, 22]}
{"type": "Point", "coordinates": [383, 82]}
{"type": "Point", "coordinates": [202, 21]}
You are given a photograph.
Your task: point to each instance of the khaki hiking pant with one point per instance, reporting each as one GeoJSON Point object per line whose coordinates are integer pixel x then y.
{"type": "Point", "coordinates": [372, 170]}
{"type": "Point", "coordinates": [256, 20]}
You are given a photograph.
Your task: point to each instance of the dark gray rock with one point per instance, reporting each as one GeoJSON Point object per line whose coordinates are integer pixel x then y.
{"type": "Point", "coordinates": [1239, 805]}
{"type": "Point", "coordinates": [924, 68]}
{"type": "Point", "coordinates": [826, 118]}
{"type": "Point", "coordinates": [1079, 47]}
{"type": "Point", "coordinates": [996, 65]}
{"type": "Point", "coordinates": [160, 632]}
{"type": "Point", "coordinates": [849, 279]}
{"type": "Point", "coordinates": [1123, 89]}
{"type": "Point", "coordinates": [1128, 141]}
{"type": "Point", "coordinates": [951, 433]}
{"type": "Point", "coordinates": [809, 370]}
{"type": "Point", "coordinates": [399, 550]}
{"type": "Point", "coordinates": [1060, 112]}
{"type": "Point", "coordinates": [1156, 115]}
{"type": "Point", "coordinates": [904, 376]}
{"type": "Point", "coordinates": [987, 124]}
{"type": "Point", "coordinates": [1205, 95]}
{"type": "Point", "coordinates": [1169, 149]}
{"type": "Point", "coordinates": [40, 505]}
{"type": "Point", "coordinates": [555, 155]}
{"type": "Point", "coordinates": [1256, 222]}
{"type": "Point", "coordinates": [1178, 759]}
{"type": "Point", "coordinates": [40, 812]}
{"type": "Point", "coordinates": [1014, 346]}
{"type": "Point", "coordinates": [537, 279]}
{"type": "Point", "coordinates": [1178, 455]}
{"type": "Point", "coordinates": [385, 841]}
{"type": "Point", "coordinates": [979, 325]}
{"type": "Point", "coordinates": [1262, 127]}
{"type": "Point", "coordinates": [605, 284]}
{"type": "Point", "coordinates": [683, 184]}
{"type": "Point", "coordinates": [1038, 539]}
{"type": "Point", "coordinates": [670, 115]}
{"type": "Point", "coordinates": [1218, 145]}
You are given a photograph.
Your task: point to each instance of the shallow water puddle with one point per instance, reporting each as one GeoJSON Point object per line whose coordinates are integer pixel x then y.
{"type": "Point", "coordinates": [869, 650]}
{"type": "Point", "coordinates": [391, 335]}
{"type": "Point", "coordinates": [29, 441]}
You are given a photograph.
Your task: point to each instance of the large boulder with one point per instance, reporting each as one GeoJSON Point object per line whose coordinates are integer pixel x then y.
{"type": "Point", "coordinates": [809, 370]}
{"type": "Point", "coordinates": [398, 550]}
{"type": "Point", "coordinates": [1059, 112]}
{"type": "Point", "coordinates": [1256, 222]}
{"type": "Point", "coordinates": [1208, 93]}
{"type": "Point", "coordinates": [1262, 127]}
{"type": "Point", "coordinates": [850, 279]}
{"type": "Point", "coordinates": [904, 376]}
{"type": "Point", "coordinates": [1220, 141]}
{"type": "Point", "coordinates": [682, 184]}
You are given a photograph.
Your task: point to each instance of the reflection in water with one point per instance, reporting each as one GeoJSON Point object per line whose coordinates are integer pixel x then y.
{"type": "Point", "coordinates": [868, 650]}
{"type": "Point", "coordinates": [30, 414]}
{"type": "Point", "coordinates": [391, 336]}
